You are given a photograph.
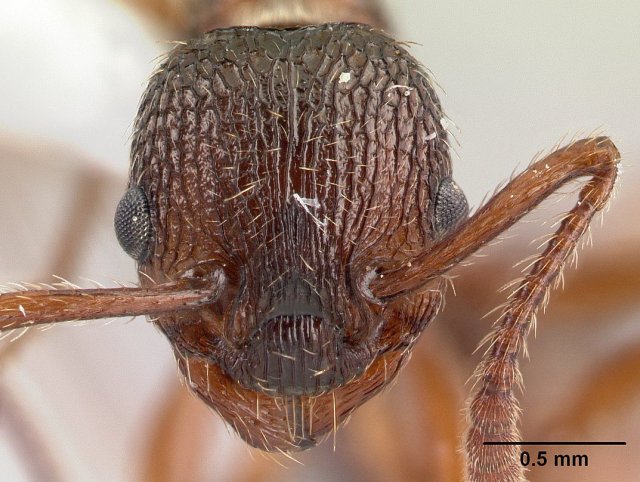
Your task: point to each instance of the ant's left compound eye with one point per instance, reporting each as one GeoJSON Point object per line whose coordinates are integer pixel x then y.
{"type": "Point", "coordinates": [451, 206]}
{"type": "Point", "coordinates": [133, 224]}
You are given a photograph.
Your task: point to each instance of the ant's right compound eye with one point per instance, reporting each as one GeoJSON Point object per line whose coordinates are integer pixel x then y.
{"type": "Point", "coordinates": [133, 224]}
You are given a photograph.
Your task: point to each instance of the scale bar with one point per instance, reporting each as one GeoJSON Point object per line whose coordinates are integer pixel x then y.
{"type": "Point", "coordinates": [555, 443]}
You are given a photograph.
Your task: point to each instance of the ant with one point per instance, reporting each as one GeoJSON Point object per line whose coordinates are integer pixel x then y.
{"type": "Point", "coordinates": [292, 210]}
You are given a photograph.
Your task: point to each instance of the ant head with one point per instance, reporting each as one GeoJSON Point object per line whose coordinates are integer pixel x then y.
{"type": "Point", "coordinates": [293, 163]}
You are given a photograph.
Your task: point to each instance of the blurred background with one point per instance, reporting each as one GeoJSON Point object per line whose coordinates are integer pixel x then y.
{"type": "Point", "coordinates": [102, 401]}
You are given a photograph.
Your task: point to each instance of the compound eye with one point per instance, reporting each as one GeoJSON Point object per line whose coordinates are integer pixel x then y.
{"type": "Point", "coordinates": [451, 206]}
{"type": "Point", "coordinates": [133, 224]}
